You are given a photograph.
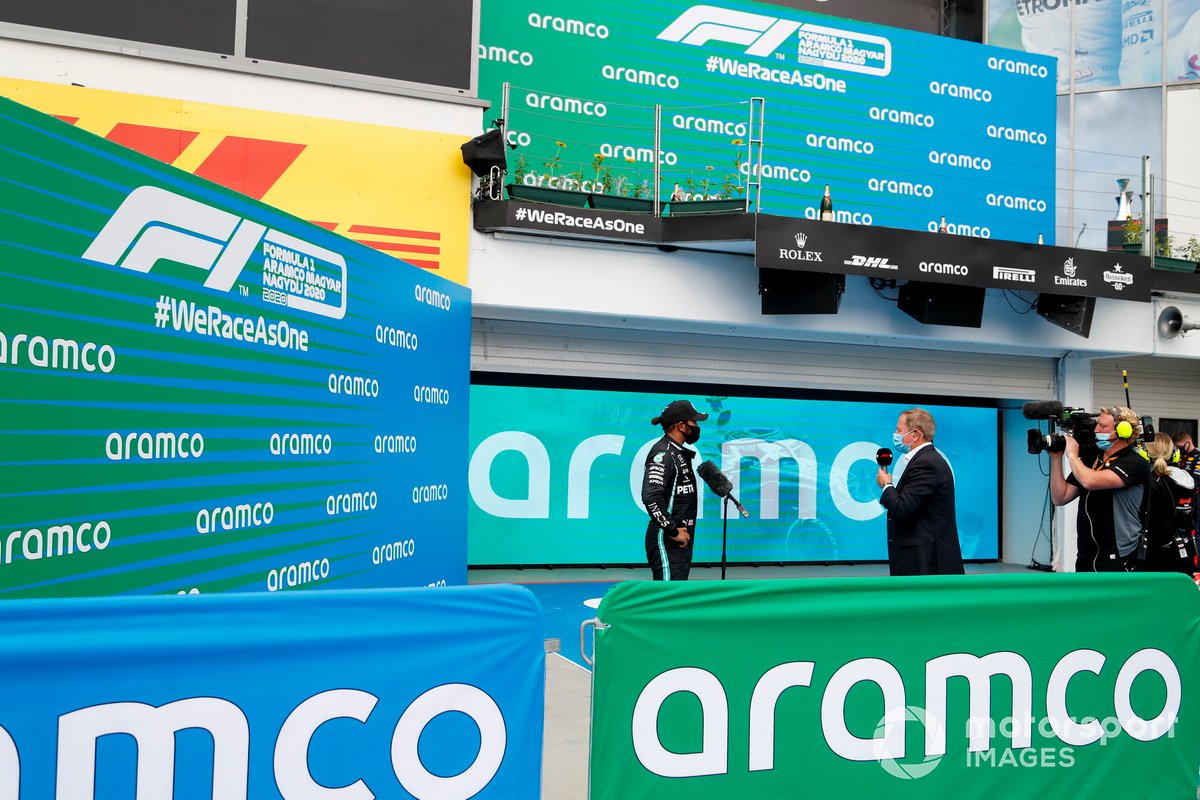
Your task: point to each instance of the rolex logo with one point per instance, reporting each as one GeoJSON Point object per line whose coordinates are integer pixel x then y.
{"type": "Point", "coordinates": [801, 239]}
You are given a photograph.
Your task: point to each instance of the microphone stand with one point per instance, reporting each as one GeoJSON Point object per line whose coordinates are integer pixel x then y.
{"type": "Point", "coordinates": [724, 532]}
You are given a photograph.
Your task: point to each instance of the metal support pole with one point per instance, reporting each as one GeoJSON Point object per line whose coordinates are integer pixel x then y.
{"type": "Point", "coordinates": [657, 158]}
{"type": "Point", "coordinates": [754, 152]}
{"type": "Point", "coordinates": [1147, 217]}
{"type": "Point", "coordinates": [1150, 233]}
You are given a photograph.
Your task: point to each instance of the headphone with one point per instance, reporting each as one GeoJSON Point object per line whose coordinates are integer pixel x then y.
{"type": "Point", "coordinates": [1124, 430]}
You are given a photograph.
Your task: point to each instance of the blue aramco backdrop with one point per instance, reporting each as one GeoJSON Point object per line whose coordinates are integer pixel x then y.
{"type": "Point", "coordinates": [555, 476]}
{"type": "Point", "coordinates": [403, 693]}
{"type": "Point", "coordinates": [905, 127]}
{"type": "Point", "coordinates": [204, 394]}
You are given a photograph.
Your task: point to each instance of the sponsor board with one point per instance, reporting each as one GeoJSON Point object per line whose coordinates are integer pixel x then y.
{"type": "Point", "coordinates": [248, 696]}
{"type": "Point", "coordinates": [851, 104]}
{"type": "Point", "coordinates": [584, 223]}
{"type": "Point", "coordinates": [202, 390]}
{"type": "Point", "coordinates": [913, 689]}
{"type": "Point", "coordinates": [972, 259]}
{"type": "Point", "coordinates": [343, 176]}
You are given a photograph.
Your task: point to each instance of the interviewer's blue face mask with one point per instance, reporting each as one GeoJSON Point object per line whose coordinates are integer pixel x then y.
{"type": "Point", "coordinates": [1103, 441]}
{"type": "Point", "coordinates": [898, 440]}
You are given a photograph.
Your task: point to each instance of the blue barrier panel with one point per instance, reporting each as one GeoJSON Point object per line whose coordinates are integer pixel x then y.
{"type": "Point", "coordinates": [423, 693]}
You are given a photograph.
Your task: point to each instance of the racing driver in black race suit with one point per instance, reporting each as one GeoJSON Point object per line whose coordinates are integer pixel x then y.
{"type": "Point", "coordinates": [669, 492]}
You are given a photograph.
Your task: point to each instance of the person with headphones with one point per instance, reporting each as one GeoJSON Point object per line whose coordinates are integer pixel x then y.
{"type": "Point", "coordinates": [1110, 492]}
{"type": "Point", "coordinates": [1169, 544]}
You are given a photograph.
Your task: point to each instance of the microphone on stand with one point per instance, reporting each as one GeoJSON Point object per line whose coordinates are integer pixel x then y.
{"type": "Point", "coordinates": [720, 485]}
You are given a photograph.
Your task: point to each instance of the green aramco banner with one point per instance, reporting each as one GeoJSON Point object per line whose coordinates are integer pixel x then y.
{"type": "Point", "coordinates": [948, 687]}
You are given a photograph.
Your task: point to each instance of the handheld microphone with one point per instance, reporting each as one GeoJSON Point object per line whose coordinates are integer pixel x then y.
{"type": "Point", "coordinates": [720, 485]}
{"type": "Point", "coordinates": [883, 457]}
{"type": "Point", "coordinates": [1042, 409]}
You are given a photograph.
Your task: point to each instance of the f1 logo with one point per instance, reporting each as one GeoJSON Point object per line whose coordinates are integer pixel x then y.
{"type": "Point", "coordinates": [702, 24]}
{"type": "Point", "coordinates": [153, 224]}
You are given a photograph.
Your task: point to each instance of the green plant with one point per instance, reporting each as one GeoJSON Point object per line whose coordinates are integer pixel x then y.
{"type": "Point", "coordinates": [552, 164]}
{"type": "Point", "coordinates": [1165, 246]}
{"type": "Point", "coordinates": [737, 162]}
{"type": "Point", "coordinates": [1191, 250]}
{"type": "Point", "coordinates": [627, 184]}
{"type": "Point", "coordinates": [730, 183]}
{"type": "Point", "coordinates": [608, 182]}
{"type": "Point", "coordinates": [571, 180]}
{"type": "Point", "coordinates": [597, 160]}
{"type": "Point", "coordinates": [521, 171]}
{"type": "Point", "coordinates": [1133, 230]}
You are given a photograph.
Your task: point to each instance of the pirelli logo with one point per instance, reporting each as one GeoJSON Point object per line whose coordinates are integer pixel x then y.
{"type": "Point", "coordinates": [1013, 274]}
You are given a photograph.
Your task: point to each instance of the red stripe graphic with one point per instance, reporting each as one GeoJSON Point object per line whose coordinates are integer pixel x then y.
{"type": "Point", "coordinates": [326, 225]}
{"type": "Point", "coordinates": [423, 264]}
{"type": "Point", "coordinates": [68, 120]}
{"type": "Point", "coordinates": [377, 231]}
{"type": "Point", "coordinates": [401, 247]}
{"type": "Point", "coordinates": [249, 166]}
{"type": "Point", "coordinates": [164, 144]}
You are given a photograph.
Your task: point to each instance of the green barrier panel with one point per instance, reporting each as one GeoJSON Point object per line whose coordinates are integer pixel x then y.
{"type": "Point", "coordinates": [946, 687]}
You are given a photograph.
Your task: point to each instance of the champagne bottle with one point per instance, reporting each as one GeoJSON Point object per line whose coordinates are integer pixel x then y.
{"type": "Point", "coordinates": [826, 206]}
{"type": "Point", "coordinates": [942, 227]}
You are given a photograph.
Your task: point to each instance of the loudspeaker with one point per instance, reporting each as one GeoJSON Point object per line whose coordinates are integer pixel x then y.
{"type": "Point", "coordinates": [1172, 323]}
{"type": "Point", "coordinates": [1068, 311]}
{"type": "Point", "coordinates": [484, 152]}
{"type": "Point", "coordinates": [788, 291]}
{"type": "Point", "coordinates": [942, 304]}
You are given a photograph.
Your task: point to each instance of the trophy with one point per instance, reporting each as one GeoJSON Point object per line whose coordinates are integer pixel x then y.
{"type": "Point", "coordinates": [1124, 200]}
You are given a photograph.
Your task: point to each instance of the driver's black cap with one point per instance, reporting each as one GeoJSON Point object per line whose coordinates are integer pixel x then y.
{"type": "Point", "coordinates": [678, 411]}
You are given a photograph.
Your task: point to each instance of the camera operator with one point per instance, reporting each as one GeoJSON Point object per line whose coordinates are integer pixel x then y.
{"type": "Point", "coordinates": [1109, 491]}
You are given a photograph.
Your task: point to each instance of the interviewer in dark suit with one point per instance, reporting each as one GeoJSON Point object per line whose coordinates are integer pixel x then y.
{"type": "Point", "coordinates": [921, 529]}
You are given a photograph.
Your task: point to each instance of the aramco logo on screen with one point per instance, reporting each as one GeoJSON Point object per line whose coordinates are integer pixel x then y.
{"type": "Point", "coordinates": [799, 457]}
{"type": "Point", "coordinates": [153, 224]}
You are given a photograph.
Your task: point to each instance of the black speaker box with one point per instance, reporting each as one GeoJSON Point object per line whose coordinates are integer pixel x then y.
{"type": "Point", "coordinates": [787, 291]}
{"type": "Point", "coordinates": [1068, 311]}
{"type": "Point", "coordinates": [942, 304]}
{"type": "Point", "coordinates": [484, 152]}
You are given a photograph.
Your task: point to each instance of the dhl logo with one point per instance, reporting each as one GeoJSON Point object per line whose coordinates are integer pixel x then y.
{"type": "Point", "coordinates": [252, 166]}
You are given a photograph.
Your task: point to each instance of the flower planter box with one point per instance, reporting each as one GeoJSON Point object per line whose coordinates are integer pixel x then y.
{"type": "Point", "coordinates": [544, 194]}
{"type": "Point", "coordinates": [681, 208]}
{"type": "Point", "coordinates": [612, 202]}
{"type": "Point", "coordinates": [1170, 264]}
{"type": "Point", "coordinates": [1133, 248]}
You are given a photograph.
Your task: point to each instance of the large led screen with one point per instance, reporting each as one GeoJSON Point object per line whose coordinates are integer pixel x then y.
{"type": "Point", "coordinates": [906, 128]}
{"type": "Point", "coordinates": [555, 476]}
{"type": "Point", "coordinates": [1116, 43]}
